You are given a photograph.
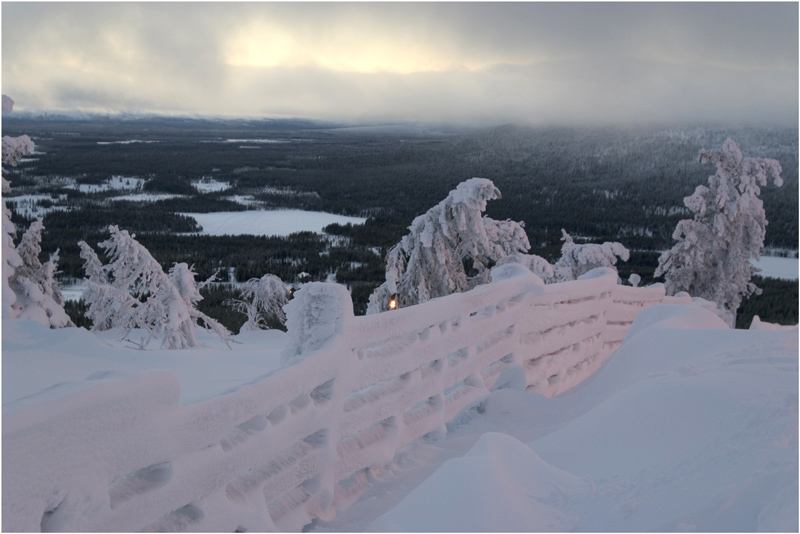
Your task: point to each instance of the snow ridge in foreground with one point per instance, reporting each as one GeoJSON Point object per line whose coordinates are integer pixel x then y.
{"type": "Point", "coordinates": [681, 430]}
{"type": "Point", "coordinates": [687, 426]}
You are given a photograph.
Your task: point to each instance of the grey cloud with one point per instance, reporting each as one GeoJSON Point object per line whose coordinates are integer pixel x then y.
{"type": "Point", "coordinates": [551, 62]}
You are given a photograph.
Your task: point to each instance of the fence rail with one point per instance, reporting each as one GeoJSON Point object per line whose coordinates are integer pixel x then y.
{"type": "Point", "coordinates": [305, 441]}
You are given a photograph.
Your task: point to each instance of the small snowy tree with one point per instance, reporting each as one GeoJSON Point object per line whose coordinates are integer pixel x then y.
{"type": "Point", "coordinates": [132, 291]}
{"type": "Point", "coordinates": [13, 148]}
{"type": "Point", "coordinates": [182, 278]}
{"type": "Point", "coordinates": [11, 260]}
{"type": "Point", "coordinates": [107, 303]}
{"type": "Point", "coordinates": [579, 259]}
{"type": "Point", "coordinates": [29, 288]}
{"type": "Point", "coordinates": [262, 301]}
{"type": "Point", "coordinates": [711, 258]}
{"type": "Point", "coordinates": [34, 285]}
{"type": "Point", "coordinates": [449, 249]}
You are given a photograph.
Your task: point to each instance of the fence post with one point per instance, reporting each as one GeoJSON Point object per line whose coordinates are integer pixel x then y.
{"type": "Point", "coordinates": [317, 312]}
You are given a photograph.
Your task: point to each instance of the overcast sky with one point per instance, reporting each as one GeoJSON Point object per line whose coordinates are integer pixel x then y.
{"type": "Point", "coordinates": [464, 62]}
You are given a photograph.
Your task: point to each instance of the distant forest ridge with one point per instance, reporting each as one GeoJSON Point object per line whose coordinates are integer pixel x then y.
{"type": "Point", "coordinates": [603, 182]}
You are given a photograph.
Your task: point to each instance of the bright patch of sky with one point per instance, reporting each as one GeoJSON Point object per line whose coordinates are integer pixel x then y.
{"type": "Point", "coordinates": [269, 223]}
{"type": "Point", "coordinates": [465, 62]}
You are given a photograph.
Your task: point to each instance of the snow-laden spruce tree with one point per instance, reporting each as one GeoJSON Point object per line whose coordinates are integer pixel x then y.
{"type": "Point", "coordinates": [262, 302]}
{"type": "Point", "coordinates": [29, 287]}
{"type": "Point", "coordinates": [11, 260]}
{"type": "Point", "coordinates": [181, 276]}
{"type": "Point", "coordinates": [449, 249]}
{"type": "Point", "coordinates": [579, 259]}
{"type": "Point", "coordinates": [13, 148]}
{"type": "Point", "coordinates": [34, 285]}
{"type": "Point", "coordinates": [711, 258]}
{"type": "Point", "coordinates": [132, 291]}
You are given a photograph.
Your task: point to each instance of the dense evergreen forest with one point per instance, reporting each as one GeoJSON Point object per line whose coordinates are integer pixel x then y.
{"type": "Point", "coordinates": [600, 184]}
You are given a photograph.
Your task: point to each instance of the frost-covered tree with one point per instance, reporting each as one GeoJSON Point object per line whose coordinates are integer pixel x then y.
{"type": "Point", "coordinates": [14, 148]}
{"type": "Point", "coordinates": [132, 291]}
{"type": "Point", "coordinates": [33, 283]}
{"type": "Point", "coordinates": [107, 303]}
{"type": "Point", "coordinates": [29, 287]}
{"type": "Point", "coordinates": [262, 301]}
{"type": "Point", "coordinates": [579, 259]}
{"type": "Point", "coordinates": [11, 260]}
{"type": "Point", "coordinates": [711, 258]}
{"type": "Point", "coordinates": [449, 249]}
{"type": "Point", "coordinates": [182, 278]}
{"type": "Point", "coordinates": [536, 264]}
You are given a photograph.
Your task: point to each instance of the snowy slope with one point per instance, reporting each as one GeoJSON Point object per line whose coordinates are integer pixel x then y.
{"type": "Point", "coordinates": [43, 365]}
{"type": "Point", "coordinates": [688, 426]}
{"type": "Point", "coordinates": [682, 429]}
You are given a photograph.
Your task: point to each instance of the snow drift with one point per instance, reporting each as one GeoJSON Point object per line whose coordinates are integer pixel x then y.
{"type": "Point", "coordinates": [681, 430]}
{"type": "Point", "coordinates": [304, 442]}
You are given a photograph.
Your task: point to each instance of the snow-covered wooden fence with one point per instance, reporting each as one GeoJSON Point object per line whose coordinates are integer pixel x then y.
{"type": "Point", "coordinates": [307, 440]}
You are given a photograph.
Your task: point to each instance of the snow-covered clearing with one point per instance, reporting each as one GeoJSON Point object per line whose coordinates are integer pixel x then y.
{"type": "Point", "coordinates": [146, 197]}
{"type": "Point", "coordinates": [30, 205]}
{"type": "Point", "coordinates": [258, 141]}
{"type": "Point", "coordinates": [244, 200]}
{"type": "Point", "coordinates": [115, 183]}
{"type": "Point", "coordinates": [269, 223]}
{"type": "Point", "coordinates": [126, 142]}
{"type": "Point", "coordinates": [210, 185]}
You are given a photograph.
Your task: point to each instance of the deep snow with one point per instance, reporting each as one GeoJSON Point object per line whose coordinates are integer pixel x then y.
{"type": "Point", "coordinates": [684, 428]}
{"type": "Point", "coordinates": [688, 426]}
{"type": "Point", "coordinates": [41, 365]}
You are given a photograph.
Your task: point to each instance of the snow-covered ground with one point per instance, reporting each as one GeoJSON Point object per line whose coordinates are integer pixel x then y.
{"type": "Point", "coordinates": [115, 183]}
{"type": "Point", "coordinates": [146, 197]}
{"type": "Point", "coordinates": [29, 205]}
{"type": "Point", "coordinates": [41, 365]}
{"type": "Point", "coordinates": [689, 426]}
{"type": "Point", "coordinates": [259, 141]}
{"type": "Point", "coordinates": [210, 185]}
{"type": "Point", "coordinates": [270, 223]}
{"type": "Point", "coordinates": [126, 142]}
{"type": "Point", "coordinates": [685, 428]}
{"type": "Point", "coordinates": [245, 200]}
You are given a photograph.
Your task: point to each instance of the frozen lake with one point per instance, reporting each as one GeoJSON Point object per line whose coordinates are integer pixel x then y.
{"type": "Point", "coordinates": [269, 223]}
{"type": "Point", "coordinates": [774, 267]}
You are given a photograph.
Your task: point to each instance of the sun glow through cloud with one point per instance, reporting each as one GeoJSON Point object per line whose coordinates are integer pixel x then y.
{"type": "Point", "coordinates": [265, 46]}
